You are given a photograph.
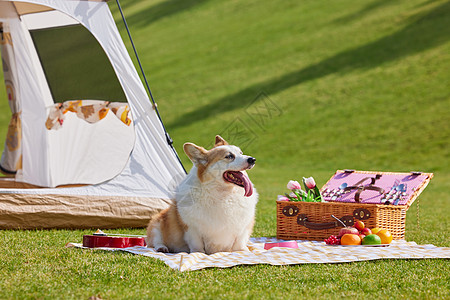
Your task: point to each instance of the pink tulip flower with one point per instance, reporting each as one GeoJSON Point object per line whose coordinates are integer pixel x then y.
{"type": "Point", "coordinates": [293, 185]}
{"type": "Point", "coordinates": [293, 195]}
{"type": "Point", "coordinates": [310, 183]}
{"type": "Point", "coordinates": [282, 198]}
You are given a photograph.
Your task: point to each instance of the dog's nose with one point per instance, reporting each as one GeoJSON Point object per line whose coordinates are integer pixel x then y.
{"type": "Point", "coordinates": [251, 160]}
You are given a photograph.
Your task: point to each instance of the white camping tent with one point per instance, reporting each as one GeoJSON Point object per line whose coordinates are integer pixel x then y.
{"type": "Point", "coordinates": [81, 160]}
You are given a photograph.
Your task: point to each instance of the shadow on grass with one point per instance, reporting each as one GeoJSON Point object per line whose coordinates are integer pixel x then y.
{"type": "Point", "coordinates": [364, 11]}
{"type": "Point", "coordinates": [161, 10]}
{"type": "Point", "coordinates": [426, 30]}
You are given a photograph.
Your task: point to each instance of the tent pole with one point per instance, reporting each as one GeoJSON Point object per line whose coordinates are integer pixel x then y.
{"type": "Point", "coordinates": [168, 138]}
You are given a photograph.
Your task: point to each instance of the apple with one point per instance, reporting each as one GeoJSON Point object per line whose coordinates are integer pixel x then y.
{"type": "Point", "coordinates": [359, 225]}
{"type": "Point", "coordinates": [348, 230]}
{"type": "Point", "coordinates": [361, 236]}
{"type": "Point", "coordinates": [366, 231]}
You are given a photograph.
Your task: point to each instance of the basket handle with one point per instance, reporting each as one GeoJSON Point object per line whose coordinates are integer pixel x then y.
{"type": "Point", "coordinates": [359, 187]}
{"type": "Point", "coordinates": [303, 220]}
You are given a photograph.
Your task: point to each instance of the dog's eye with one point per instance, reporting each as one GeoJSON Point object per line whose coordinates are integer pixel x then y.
{"type": "Point", "coordinates": [230, 156]}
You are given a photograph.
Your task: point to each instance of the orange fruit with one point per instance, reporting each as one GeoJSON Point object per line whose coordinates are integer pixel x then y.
{"type": "Point", "coordinates": [375, 230]}
{"type": "Point", "coordinates": [385, 236]}
{"type": "Point", "coordinates": [350, 239]}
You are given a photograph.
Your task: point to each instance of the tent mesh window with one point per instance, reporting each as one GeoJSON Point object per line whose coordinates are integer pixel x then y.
{"type": "Point", "coordinates": [75, 65]}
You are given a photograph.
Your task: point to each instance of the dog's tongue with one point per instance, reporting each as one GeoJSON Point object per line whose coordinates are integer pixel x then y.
{"type": "Point", "coordinates": [248, 186]}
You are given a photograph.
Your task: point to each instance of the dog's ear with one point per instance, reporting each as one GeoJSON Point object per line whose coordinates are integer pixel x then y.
{"type": "Point", "coordinates": [198, 155]}
{"type": "Point", "coordinates": [220, 141]}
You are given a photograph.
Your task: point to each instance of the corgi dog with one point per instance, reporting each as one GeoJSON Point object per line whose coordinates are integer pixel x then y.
{"type": "Point", "coordinates": [214, 207]}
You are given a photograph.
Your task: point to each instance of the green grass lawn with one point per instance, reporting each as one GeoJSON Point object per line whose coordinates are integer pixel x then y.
{"type": "Point", "coordinates": [337, 84]}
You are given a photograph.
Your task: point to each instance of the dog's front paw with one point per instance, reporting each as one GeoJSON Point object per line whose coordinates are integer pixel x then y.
{"type": "Point", "coordinates": [198, 251]}
{"type": "Point", "coordinates": [244, 248]}
{"type": "Point", "coordinates": [162, 249]}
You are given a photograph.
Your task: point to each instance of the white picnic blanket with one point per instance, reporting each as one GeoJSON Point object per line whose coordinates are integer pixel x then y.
{"type": "Point", "coordinates": [308, 252]}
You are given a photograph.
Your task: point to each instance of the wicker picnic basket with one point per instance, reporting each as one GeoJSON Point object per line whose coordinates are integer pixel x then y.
{"type": "Point", "coordinates": [314, 221]}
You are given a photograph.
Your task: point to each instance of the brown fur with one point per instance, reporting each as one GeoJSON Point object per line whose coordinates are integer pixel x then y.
{"type": "Point", "coordinates": [207, 157]}
{"type": "Point", "coordinates": [172, 227]}
{"type": "Point", "coordinates": [201, 170]}
{"type": "Point", "coordinates": [220, 141]}
{"type": "Point", "coordinates": [212, 157]}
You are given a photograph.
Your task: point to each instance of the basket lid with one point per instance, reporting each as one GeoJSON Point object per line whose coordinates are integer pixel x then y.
{"type": "Point", "coordinates": [375, 187]}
